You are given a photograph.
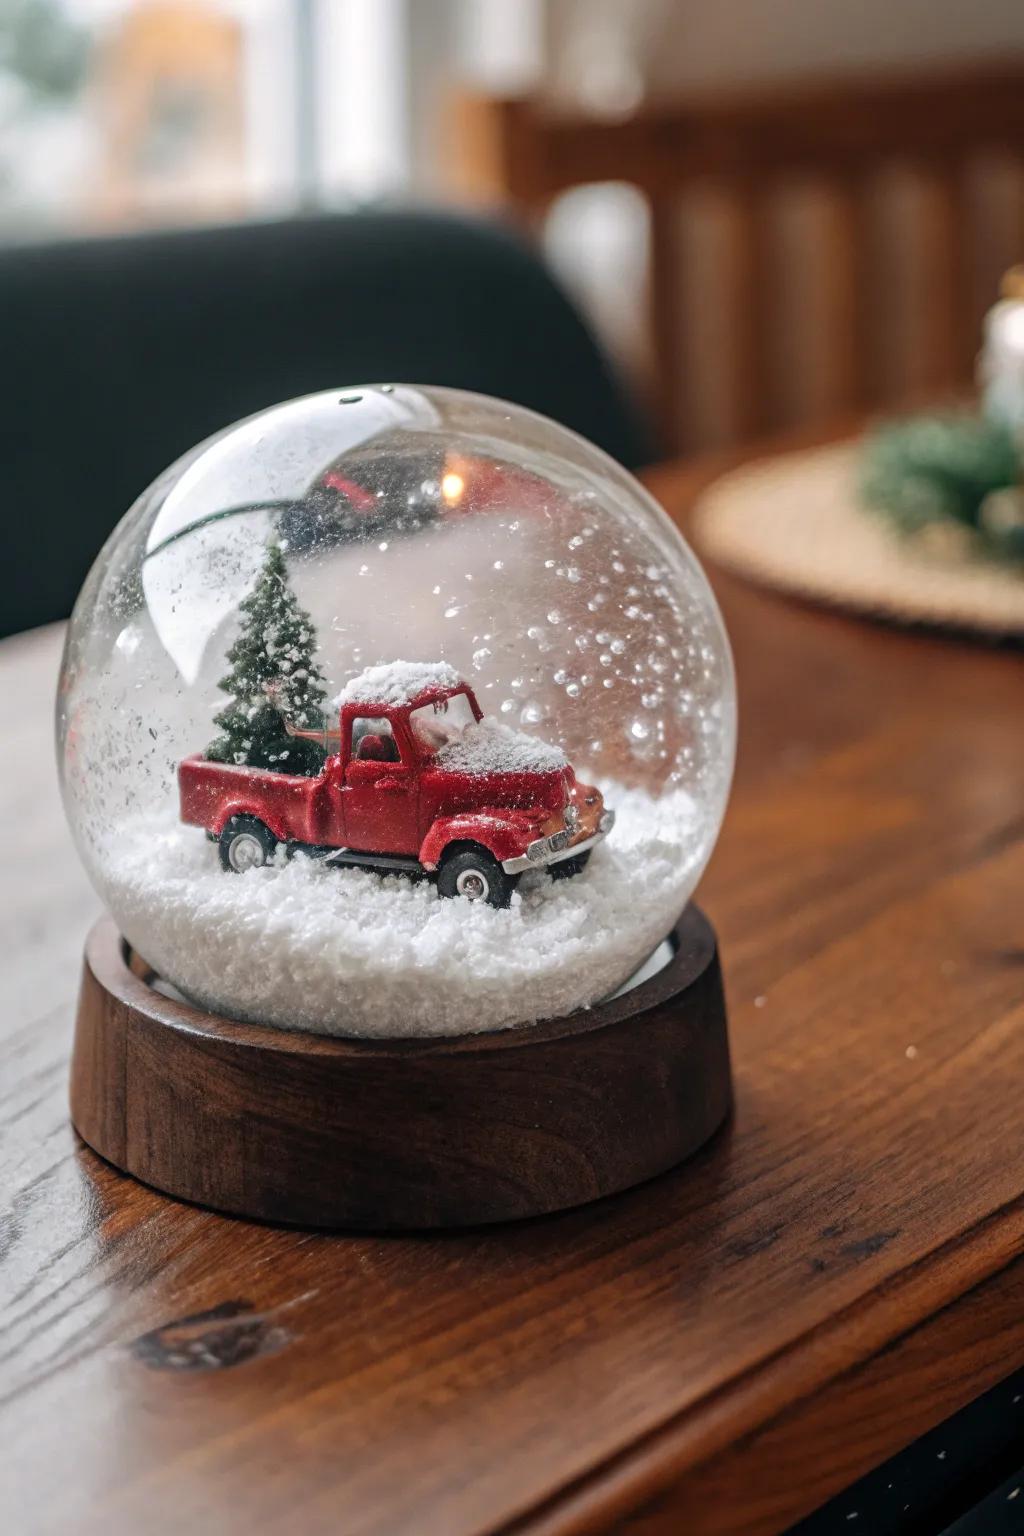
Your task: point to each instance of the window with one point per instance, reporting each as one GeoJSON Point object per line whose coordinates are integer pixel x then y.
{"type": "Point", "coordinates": [373, 741]}
{"type": "Point", "coordinates": [116, 113]}
{"type": "Point", "coordinates": [435, 725]}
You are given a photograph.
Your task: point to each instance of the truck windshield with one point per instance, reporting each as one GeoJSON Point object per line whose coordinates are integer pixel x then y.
{"type": "Point", "coordinates": [434, 725]}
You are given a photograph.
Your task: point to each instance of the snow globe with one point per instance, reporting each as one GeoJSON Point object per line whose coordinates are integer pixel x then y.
{"type": "Point", "coordinates": [395, 728]}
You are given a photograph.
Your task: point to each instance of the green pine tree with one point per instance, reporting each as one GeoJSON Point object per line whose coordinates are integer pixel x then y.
{"type": "Point", "coordinates": [275, 647]}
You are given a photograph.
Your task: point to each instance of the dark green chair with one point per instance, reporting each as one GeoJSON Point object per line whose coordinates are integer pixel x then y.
{"type": "Point", "coordinates": [119, 354]}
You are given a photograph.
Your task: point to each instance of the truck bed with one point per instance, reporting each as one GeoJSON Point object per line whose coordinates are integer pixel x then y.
{"type": "Point", "coordinates": [293, 806]}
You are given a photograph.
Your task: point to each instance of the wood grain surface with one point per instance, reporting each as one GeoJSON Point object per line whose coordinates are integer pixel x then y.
{"type": "Point", "coordinates": [388, 1135]}
{"type": "Point", "coordinates": [717, 1351]}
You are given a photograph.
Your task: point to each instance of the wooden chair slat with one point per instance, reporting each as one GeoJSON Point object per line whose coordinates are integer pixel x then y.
{"type": "Point", "coordinates": [841, 134]}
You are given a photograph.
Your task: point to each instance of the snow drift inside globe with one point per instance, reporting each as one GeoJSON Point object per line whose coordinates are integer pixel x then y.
{"type": "Point", "coordinates": [396, 711]}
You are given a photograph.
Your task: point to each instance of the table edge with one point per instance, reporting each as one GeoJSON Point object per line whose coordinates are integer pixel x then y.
{"type": "Point", "coordinates": [798, 1387]}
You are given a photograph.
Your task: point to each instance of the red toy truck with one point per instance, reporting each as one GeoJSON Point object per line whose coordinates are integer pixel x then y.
{"type": "Point", "coordinates": [419, 783]}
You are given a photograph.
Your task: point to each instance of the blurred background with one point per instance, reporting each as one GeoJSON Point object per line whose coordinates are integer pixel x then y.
{"type": "Point", "coordinates": [767, 215]}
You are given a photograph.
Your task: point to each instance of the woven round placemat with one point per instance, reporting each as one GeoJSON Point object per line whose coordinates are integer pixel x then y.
{"type": "Point", "coordinates": [794, 522]}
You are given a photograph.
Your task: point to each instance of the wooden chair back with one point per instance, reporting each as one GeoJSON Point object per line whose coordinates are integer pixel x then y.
{"type": "Point", "coordinates": [839, 138]}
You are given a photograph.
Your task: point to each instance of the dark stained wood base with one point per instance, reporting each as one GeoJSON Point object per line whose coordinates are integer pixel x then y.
{"type": "Point", "coordinates": [299, 1128]}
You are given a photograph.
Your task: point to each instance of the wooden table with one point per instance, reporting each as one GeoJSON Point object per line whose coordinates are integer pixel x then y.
{"type": "Point", "coordinates": [717, 1352]}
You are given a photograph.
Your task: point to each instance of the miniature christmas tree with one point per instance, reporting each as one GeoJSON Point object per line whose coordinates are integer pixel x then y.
{"type": "Point", "coordinates": [273, 678]}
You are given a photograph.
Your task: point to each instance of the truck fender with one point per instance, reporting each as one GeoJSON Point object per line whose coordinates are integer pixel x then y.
{"type": "Point", "coordinates": [501, 832]}
{"type": "Point", "coordinates": [254, 808]}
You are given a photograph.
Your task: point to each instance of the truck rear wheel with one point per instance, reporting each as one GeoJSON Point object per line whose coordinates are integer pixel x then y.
{"type": "Point", "coordinates": [476, 875]}
{"type": "Point", "coordinates": [246, 843]}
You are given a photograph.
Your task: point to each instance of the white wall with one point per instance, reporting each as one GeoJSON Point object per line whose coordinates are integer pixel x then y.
{"type": "Point", "coordinates": [673, 44]}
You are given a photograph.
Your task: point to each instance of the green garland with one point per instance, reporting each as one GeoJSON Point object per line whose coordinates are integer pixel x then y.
{"type": "Point", "coordinates": [960, 470]}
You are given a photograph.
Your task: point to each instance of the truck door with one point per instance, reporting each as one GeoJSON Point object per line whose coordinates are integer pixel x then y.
{"type": "Point", "coordinates": [381, 791]}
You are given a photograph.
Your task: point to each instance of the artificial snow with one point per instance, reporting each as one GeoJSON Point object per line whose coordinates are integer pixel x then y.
{"type": "Point", "coordinates": [397, 683]}
{"type": "Point", "coordinates": [486, 746]}
{"type": "Point", "coordinates": [304, 945]}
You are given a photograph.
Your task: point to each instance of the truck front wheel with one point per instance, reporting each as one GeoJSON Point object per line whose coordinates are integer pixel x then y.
{"type": "Point", "coordinates": [477, 875]}
{"type": "Point", "coordinates": [566, 869]}
{"type": "Point", "coordinates": [246, 843]}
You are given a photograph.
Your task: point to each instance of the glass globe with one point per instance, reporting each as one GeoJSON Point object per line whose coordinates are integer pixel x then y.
{"type": "Point", "coordinates": [395, 711]}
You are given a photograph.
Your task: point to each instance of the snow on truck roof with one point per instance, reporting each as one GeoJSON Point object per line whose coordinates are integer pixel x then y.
{"type": "Point", "coordinates": [481, 748]}
{"type": "Point", "coordinates": [397, 683]}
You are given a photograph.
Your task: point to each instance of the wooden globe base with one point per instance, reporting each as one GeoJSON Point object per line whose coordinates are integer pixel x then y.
{"type": "Point", "coordinates": [402, 1134]}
